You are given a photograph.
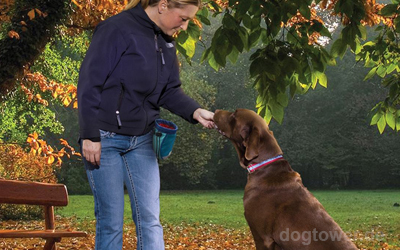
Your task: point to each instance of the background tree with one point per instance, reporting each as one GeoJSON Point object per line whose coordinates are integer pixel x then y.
{"type": "Point", "coordinates": [28, 28]}
{"type": "Point", "coordinates": [281, 52]}
{"type": "Point", "coordinates": [289, 33]}
{"type": "Point", "coordinates": [292, 58]}
{"type": "Point", "coordinates": [326, 133]}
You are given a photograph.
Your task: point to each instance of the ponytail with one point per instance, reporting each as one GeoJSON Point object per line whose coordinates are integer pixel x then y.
{"type": "Point", "coordinates": [174, 3]}
{"type": "Point", "coordinates": [131, 4]}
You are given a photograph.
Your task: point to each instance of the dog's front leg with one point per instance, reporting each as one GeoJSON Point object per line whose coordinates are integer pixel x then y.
{"type": "Point", "coordinates": [270, 244]}
{"type": "Point", "coordinates": [265, 243]}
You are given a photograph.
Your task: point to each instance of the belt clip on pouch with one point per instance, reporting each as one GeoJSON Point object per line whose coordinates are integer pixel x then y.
{"type": "Point", "coordinates": [164, 138]}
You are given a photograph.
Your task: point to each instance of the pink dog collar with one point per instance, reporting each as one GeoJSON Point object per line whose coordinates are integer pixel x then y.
{"type": "Point", "coordinates": [253, 167]}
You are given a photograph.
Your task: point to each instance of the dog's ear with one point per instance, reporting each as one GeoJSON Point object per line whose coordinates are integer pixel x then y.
{"type": "Point", "coordinates": [251, 140]}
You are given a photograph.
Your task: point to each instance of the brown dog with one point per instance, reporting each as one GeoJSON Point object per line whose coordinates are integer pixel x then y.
{"type": "Point", "coordinates": [281, 212]}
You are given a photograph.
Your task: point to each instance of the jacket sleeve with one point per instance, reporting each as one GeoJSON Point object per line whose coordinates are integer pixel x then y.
{"type": "Point", "coordinates": [175, 100]}
{"type": "Point", "coordinates": [104, 53]}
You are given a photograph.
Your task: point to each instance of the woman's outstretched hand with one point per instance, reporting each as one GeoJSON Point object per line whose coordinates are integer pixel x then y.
{"type": "Point", "coordinates": [204, 117]}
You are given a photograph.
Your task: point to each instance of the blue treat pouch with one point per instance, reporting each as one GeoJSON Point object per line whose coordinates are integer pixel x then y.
{"type": "Point", "coordinates": [164, 138]}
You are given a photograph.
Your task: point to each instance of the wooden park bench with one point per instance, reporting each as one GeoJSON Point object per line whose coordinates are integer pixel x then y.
{"type": "Point", "coordinates": [35, 193]}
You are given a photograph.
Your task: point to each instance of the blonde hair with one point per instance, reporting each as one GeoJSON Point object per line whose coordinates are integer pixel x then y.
{"type": "Point", "coordinates": [171, 3]}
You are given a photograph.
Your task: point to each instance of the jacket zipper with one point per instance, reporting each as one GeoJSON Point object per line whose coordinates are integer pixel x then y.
{"type": "Point", "coordinates": [121, 97]}
{"type": "Point", "coordinates": [158, 49]}
{"type": "Point", "coordinates": [162, 57]}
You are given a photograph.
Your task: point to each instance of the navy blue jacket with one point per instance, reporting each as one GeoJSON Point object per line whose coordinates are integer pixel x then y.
{"type": "Point", "coordinates": [129, 71]}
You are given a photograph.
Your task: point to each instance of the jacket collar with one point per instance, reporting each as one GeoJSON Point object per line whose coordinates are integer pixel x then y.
{"type": "Point", "coordinates": [141, 16]}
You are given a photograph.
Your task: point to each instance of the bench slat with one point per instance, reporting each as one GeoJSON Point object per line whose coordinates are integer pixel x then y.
{"type": "Point", "coordinates": [39, 234]}
{"type": "Point", "coordinates": [33, 193]}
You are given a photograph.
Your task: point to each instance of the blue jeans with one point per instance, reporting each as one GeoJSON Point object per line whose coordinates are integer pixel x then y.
{"type": "Point", "coordinates": [128, 160]}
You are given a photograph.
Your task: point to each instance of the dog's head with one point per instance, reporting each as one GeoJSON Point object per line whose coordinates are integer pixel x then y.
{"type": "Point", "coordinates": [249, 133]}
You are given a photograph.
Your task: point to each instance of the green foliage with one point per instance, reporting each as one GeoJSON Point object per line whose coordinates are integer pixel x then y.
{"type": "Point", "coordinates": [73, 175]}
{"type": "Point", "coordinates": [317, 133]}
{"type": "Point", "coordinates": [242, 29]}
{"type": "Point", "coordinates": [286, 64]}
{"type": "Point", "coordinates": [21, 118]}
{"type": "Point", "coordinates": [382, 55]}
{"type": "Point", "coordinates": [20, 212]}
{"type": "Point", "coordinates": [186, 40]}
{"type": "Point", "coordinates": [60, 62]}
{"type": "Point", "coordinates": [61, 59]}
{"type": "Point", "coordinates": [3, 28]}
{"type": "Point", "coordinates": [326, 137]}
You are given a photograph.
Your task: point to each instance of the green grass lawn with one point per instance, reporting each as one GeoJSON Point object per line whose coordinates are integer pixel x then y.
{"type": "Point", "coordinates": [214, 220]}
{"type": "Point", "coordinates": [352, 210]}
{"type": "Point", "coordinates": [363, 210]}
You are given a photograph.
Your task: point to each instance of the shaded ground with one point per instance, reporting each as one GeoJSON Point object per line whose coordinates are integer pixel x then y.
{"type": "Point", "coordinates": [193, 236]}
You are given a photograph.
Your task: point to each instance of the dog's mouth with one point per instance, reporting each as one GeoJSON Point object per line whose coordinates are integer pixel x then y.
{"type": "Point", "coordinates": [220, 131]}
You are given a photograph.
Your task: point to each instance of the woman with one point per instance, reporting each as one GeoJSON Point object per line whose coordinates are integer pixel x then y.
{"type": "Point", "coordinates": [129, 72]}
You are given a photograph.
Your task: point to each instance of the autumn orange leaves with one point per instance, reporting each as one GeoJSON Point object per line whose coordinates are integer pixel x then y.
{"type": "Point", "coordinates": [66, 93]}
